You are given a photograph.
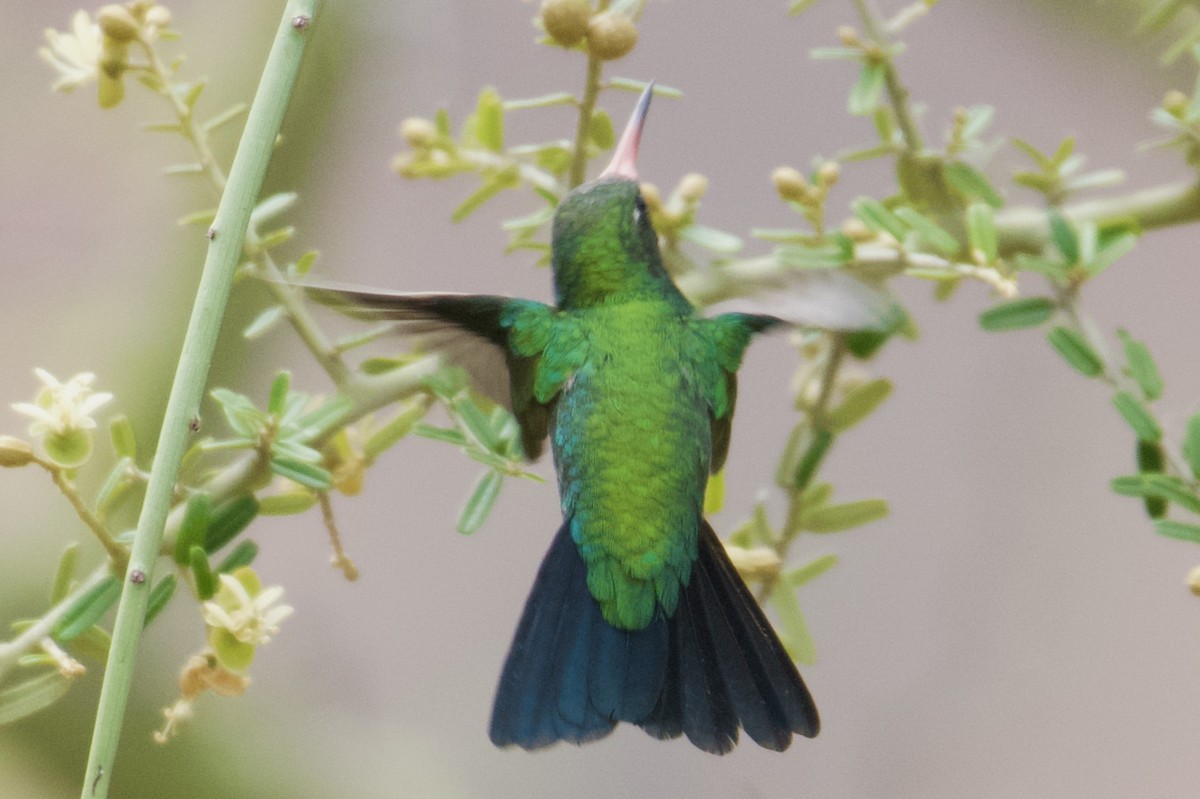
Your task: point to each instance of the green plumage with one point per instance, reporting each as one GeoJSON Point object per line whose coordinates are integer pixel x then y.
{"type": "Point", "coordinates": [636, 614]}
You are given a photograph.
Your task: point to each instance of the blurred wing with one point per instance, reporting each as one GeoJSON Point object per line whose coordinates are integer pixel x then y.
{"type": "Point", "coordinates": [468, 331]}
{"type": "Point", "coordinates": [822, 298]}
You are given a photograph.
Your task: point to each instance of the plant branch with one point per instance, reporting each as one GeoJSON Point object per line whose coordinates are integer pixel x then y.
{"type": "Point", "coordinates": [228, 237]}
{"type": "Point", "coordinates": [117, 552]}
{"type": "Point", "coordinates": [1027, 229]}
{"type": "Point", "coordinates": [31, 637]}
{"type": "Point", "coordinates": [897, 93]}
{"type": "Point", "coordinates": [587, 106]}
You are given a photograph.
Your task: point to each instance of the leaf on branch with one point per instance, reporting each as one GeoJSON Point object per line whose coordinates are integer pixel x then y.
{"type": "Point", "coordinates": [1018, 314]}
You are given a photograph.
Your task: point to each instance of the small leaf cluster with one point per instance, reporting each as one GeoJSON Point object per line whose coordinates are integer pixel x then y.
{"type": "Point", "coordinates": [486, 433]}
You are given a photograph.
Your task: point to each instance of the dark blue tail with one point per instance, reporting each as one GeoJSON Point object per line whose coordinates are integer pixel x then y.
{"type": "Point", "coordinates": [712, 667]}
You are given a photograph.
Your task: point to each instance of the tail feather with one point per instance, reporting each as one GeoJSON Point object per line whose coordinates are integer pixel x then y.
{"type": "Point", "coordinates": [714, 666]}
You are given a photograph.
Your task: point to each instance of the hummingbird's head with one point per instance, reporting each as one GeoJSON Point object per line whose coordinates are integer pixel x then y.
{"type": "Point", "coordinates": [604, 247]}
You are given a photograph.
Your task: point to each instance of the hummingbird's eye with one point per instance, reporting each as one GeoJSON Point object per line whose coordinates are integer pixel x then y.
{"type": "Point", "coordinates": [639, 210]}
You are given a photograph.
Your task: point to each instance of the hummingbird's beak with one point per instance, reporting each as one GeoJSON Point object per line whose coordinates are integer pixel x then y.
{"type": "Point", "coordinates": [624, 160]}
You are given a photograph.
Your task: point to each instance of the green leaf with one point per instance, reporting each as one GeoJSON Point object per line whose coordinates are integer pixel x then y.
{"type": "Point", "coordinates": [978, 118]}
{"type": "Point", "coordinates": [272, 206]}
{"type": "Point", "coordinates": [799, 6]}
{"type": "Point", "coordinates": [544, 101]}
{"type": "Point", "coordinates": [858, 404]}
{"type": "Point", "coordinates": [1159, 15]}
{"type": "Point", "coordinates": [600, 130]}
{"type": "Point", "coordinates": [88, 609]}
{"type": "Point", "coordinates": [204, 218]}
{"type": "Point", "coordinates": [836, 518]}
{"type": "Point", "coordinates": [490, 188]}
{"type": "Point", "coordinates": [225, 117]}
{"type": "Point", "coordinates": [1138, 418]}
{"type": "Point", "coordinates": [489, 120]}
{"type": "Point", "coordinates": [1150, 460]}
{"type": "Point", "coordinates": [1017, 314]}
{"type": "Point", "coordinates": [864, 96]}
{"type": "Point", "coordinates": [1142, 368]}
{"type": "Point", "coordinates": [202, 574]}
{"type": "Point", "coordinates": [981, 232]}
{"type": "Point", "coordinates": [1191, 444]}
{"type": "Point", "coordinates": [1042, 266]}
{"type": "Point", "coordinates": [399, 426]}
{"type": "Point", "coordinates": [929, 231]}
{"type": "Point", "coordinates": [1110, 251]}
{"type": "Point", "coordinates": [639, 86]}
{"type": "Point", "coordinates": [64, 575]}
{"type": "Point", "coordinates": [1064, 236]}
{"type": "Point", "coordinates": [877, 217]}
{"type": "Point", "coordinates": [160, 595]}
{"type": "Point", "coordinates": [1157, 485]}
{"type": "Point", "coordinates": [196, 518]}
{"type": "Point", "coordinates": [971, 184]}
{"type": "Point", "coordinates": [324, 416]}
{"type": "Point", "coordinates": [94, 642]}
{"type": "Point", "coordinates": [229, 520]}
{"type": "Point", "coordinates": [802, 256]}
{"type": "Point", "coordinates": [28, 697]}
{"type": "Point", "coordinates": [302, 472]}
{"type": "Point", "coordinates": [123, 440]}
{"type": "Point", "coordinates": [1173, 529]}
{"type": "Point", "coordinates": [279, 392]}
{"type": "Point", "coordinates": [711, 239]}
{"type": "Point", "coordinates": [263, 322]}
{"type": "Point", "coordinates": [241, 555]}
{"type": "Point", "coordinates": [287, 503]}
{"type": "Point", "coordinates": [479, 504]}
{"type": "Point", "coordinates": [441, 434]}
{"type": "Point", "coordinates": [793, 627]}
{"type": "Point", "coordinates": [245, 419]}
{"type": "Point", "coordinates": [119, 481]}
{"type": "Point", "coordinates": [1075, 349]}
{"type": "Point", "coordinates": [810, 461]}
{"type": "Point", "coordinates": [305, 262]}
{"type": "Point", "coordinates": [810, 571]}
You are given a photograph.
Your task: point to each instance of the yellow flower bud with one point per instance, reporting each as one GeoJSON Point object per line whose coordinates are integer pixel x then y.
{"type": "Point", "coordinates": [611, 35]}
{"type": "Point", "coordinates": [1175, 103]}
{"type": "Point", "coordinates": [14, 452]}
{"type": "Point", "coordinates": [419, 133]}
{"type": "Point", "coordinates": [849, 36]}
{"type": "Point", "coordinates": [692, 187]}
{"type": "Point", "coordinates": [405, 166]}
{"type": "Point", "coordinates": [117, 23]}
{"type": "Point", "coordinates": [829, 173]}
{"type": "Point", "coordinates": [856, 230]}
{"type": "Point", "coordinates": [652, 197]}
{"type": "Point", "coordinates": [1193, 580]}
{"type": "Point", "coordinates": [790, 184]}
{"type": "Point", "coordinates": [158, 17]}
{"type": "Point", "coordinates": [566, 21]}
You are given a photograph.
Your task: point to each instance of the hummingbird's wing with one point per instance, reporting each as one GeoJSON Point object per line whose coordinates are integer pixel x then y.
{"type": "Point", "coordinates": [469, 331]}
{"type": "Point", "coordinates": [824, 298]}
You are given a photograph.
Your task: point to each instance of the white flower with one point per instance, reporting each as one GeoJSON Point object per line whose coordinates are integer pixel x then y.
{"type": "Point", "coordinates": [250, 619]}
{"type": "Point", "coordinates": [75, 55]}
{"type": "Point", "coordinates": [63, 408]}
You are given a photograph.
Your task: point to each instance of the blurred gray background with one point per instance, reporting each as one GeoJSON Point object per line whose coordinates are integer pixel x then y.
{"type": "Point", "coordinates": [1012, 629]}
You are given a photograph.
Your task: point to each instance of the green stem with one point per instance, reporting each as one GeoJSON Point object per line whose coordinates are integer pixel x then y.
{"type": "Point", "coordinates": [116, 551]}
{"type": "Point", "coordinates": [224, 252]}
{"type": "Point", "coordinates": [897, 93]}
{"type": "Point", "coordinates": [587, 106]}
{"type": "Point", "coordinates": [32, 636]}
{"type": "Point", "coordinates": [1027, 229]}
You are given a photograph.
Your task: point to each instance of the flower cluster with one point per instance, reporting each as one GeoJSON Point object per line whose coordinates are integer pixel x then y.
{"type": "Point", "coordinates": [97, 49]}
{"type": "Point", "coordinates": [62, 416]}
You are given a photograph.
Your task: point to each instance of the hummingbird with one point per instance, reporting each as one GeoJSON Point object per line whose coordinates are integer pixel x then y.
{"type": "Point", "coordinates": [636, 614]}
